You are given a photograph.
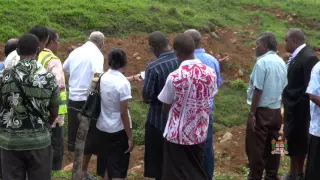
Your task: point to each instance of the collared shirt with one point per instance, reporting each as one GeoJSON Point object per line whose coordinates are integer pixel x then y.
{"type": "Point", "coordinates": [269, 75]}
{"type": "Point", "coordinates": [81, 64]}
{"type": "Point", "coordinates": [114, 88]}
{"type": "Point", "coordinates": [314, 89]}
{"type": "Point", "coordinates": [20, 128]}
{"type": "Point", "coordinates": [190, 90]}
{"type": "Point", "coordinates": [155, 78]}
{"type": "Point", "coordinates": [12, 59]}
{"type": "Point", "coordinates": [210, 61]}
{"type": "Point", "coordinates": [296, 52]}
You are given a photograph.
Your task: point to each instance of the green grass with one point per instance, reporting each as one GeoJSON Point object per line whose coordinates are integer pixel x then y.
{"type": "Point", "coordinates": [74, 19]}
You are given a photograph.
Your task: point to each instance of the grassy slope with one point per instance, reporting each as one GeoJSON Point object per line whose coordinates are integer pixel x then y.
{"type": "Point", "coordinates": [75, 18]}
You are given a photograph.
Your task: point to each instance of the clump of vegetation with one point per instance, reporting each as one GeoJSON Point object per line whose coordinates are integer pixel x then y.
{"type": "Point", "coordinates": [238, 84]}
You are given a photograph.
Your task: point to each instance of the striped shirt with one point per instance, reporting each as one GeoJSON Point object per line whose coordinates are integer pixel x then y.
{"type": "Point", "coordinates": [156, 75]}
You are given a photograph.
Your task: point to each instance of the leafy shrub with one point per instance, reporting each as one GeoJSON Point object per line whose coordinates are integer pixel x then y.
{"type": "Point", "coordinates": [138, 137]}
{"type": "Point", "coordinates": [238, 84]}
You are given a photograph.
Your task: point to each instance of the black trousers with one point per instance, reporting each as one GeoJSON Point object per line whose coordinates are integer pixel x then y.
{"type": "Point", "coordinates": [153, 157]}
{"type": "Point", "coordinates": [57, 147]}
{"type": "Point", "coordinates": [313, 160]}
{"type": "Point", "coordinates": [36, 164]}
{"type": "Point", "coordinates": [259, 144]}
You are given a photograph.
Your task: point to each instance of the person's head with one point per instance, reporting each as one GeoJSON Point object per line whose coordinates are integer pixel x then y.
{"type": "Point", "coordinates": [117, 59]}
{"type": "Point", "coordinates": [158, 43]}
{"type": "Point", "coordinates": [266, 42]}
{"type": "Point", "coordinates": [42, 33]}
{"type": "Point", "coordinates": [294, 38]}
{"type": "Point", "coordinates": [53, 41]}
{"type": "Point", "coordinates": [196, 36]}
{"type": "Point", "coordinates": [28, 46]}
{"type": "Point", "coordinates": [10, 46]}
{"type": "Point", "coordinates": [97, 38]}
{"type": "Point", "coordinates": [183, 46]}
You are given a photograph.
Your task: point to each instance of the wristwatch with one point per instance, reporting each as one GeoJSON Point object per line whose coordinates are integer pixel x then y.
{"type": "Point", "coordinates": [251, 113]}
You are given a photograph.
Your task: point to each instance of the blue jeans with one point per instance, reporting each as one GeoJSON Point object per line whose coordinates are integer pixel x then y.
{"type": "Point", "coordinates": [208, 151]}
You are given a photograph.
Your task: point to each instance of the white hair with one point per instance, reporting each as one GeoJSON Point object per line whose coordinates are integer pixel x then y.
{"type": "Point", "coordinates": [97, 38]}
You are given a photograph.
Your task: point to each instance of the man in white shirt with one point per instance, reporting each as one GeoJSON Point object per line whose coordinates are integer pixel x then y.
{"type": "Point", "coordinates": [187, 96]}
{"type": "Point", "coordinates": [313, 160]}
{"type": "Point", "coordinates": [82, 64]}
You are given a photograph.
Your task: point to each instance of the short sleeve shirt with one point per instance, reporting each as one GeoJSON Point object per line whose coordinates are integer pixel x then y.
{"type": "Point", "coordinates": [21, 127]}
{"type": "Point", "coordinates": [114, 88]}
{"type": "Point", "coordinates": [314, 89]}
{"type": "Point", "coordinates": [81, 64]}
{"type": "Point", "coordinates": [269, 75]}
{"type": "Point", "coordinates": [190, 91]}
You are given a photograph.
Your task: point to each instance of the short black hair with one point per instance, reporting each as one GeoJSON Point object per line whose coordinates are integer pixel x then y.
{"type": "Point", "coordinates": [270, 40]}
{"type": "Point", "coordinates": [297, 34]}
{"type": "Point", "coordinates": [10, 46]}
{"type": "Point", "coordinates": [28, 45]}
{"type": "Point", "coordinates": [159, 39]}
{"type": "Point", "coordinates": [117, 58]}
{"type": "Point", "coordinates": [184, 44]}
{"type": "Point", "coordinates": [41, 32]}
{"type": "Point", "coordinates": [52, 35]}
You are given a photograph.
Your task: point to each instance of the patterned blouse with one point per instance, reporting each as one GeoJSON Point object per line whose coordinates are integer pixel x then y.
{"type": "Point", "coordinates": [190, 91]}
{"type": "Point", "coordinates": [20, 126]}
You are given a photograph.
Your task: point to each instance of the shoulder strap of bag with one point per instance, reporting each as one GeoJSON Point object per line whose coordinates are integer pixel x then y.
{"type": "Point", "coordinates": [26, 100]}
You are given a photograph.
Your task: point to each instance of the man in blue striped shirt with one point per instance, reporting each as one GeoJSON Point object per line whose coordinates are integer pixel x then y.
{"type": "Point", "coordinates": [155, 77]}
{"type": "Point", "coordinates": [210, 61]}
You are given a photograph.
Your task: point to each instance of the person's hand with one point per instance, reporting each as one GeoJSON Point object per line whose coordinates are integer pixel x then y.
{"type": "Point", "coordinates": [224, 59]}
{"type": "Point", "coordinates": [138, 77]}
{"type": "Point", "coordinates": [251, 122]}
{"type": "Point", "coordinates": [131, 146]}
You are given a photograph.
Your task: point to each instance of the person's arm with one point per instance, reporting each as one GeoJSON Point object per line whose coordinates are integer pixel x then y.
{"type": "Point", "coordinates": [258, 76]}
{"type": "Point", "coordinates": [167, 95]}
{"type": "Point", "coordinates": [55, 67]}
{"type": "Point", "coordinates": [54, 103]}
{"type": "Point", "coordinates": [314, 85]}
{"type": "Point", "coordinates": [307, 68]}
{"type": "Point", "coordinates": [125, 95]}
{"type": "Point", "coordinates": [134, 78]}
{"type": "Point", "coordinates": [148, 92]}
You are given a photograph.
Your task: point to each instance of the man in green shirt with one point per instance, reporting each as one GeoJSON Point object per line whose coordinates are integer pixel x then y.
{"type": "Point", "coordinates": [29, 101]}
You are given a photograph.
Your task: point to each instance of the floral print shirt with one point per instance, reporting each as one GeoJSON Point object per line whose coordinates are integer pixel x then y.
{"type": "Point", "coordinates": [20, 128]}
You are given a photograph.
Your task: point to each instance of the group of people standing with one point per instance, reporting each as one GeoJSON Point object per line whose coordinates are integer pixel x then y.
{"type": "Point", "coordinates": [179, 86]}
{"type": "Point", "coordinates": [294, 85]}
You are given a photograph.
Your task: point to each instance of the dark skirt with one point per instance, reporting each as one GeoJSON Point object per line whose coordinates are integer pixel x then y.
{"type": "Point", "coordinates": [313, 160]}
{"type": "Point", "coordinates": [153, 157]}
{"type": "Point", "coordinates": [111, 156]}
{"type": "Point", "coordinates": [183, 162]}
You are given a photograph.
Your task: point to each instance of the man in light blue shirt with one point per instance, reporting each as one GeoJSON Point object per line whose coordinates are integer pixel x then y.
{"type": "Point", "coordinates": [267, 81]}
{"type": "Point", "coordinates": [212, 62]}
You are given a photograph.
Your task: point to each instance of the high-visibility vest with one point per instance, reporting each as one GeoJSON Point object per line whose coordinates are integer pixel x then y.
{"type": "Point", "coordinates": [43, 58]}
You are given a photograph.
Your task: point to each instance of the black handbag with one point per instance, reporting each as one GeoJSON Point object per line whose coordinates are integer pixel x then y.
{"type": "Point", "coordinates": [92, 107]}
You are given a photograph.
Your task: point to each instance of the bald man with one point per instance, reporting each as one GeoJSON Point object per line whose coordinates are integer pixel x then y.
{"type": "Point", "coordinates": [212, 62]}
{"type": "Point", "coordinates": [188, 117]}
{"type": "Point", "coordinates": [10, 46]}
{"type": "Point", "coordinates": [296, 101]}
{"type": "Point", "coordinates": [156, 74]}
